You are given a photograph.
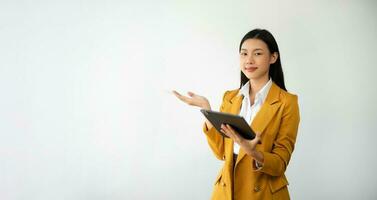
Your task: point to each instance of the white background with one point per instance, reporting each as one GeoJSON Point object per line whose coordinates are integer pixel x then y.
{"type": "Point", "coordinates": [85, 111]}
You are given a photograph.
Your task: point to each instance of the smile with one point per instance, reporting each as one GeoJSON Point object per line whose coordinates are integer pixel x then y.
{"type": "Point", "coordinates": [251, 69]}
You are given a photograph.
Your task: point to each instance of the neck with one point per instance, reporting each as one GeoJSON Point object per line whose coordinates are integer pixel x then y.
{"type": "Point", "coordinates": [257, 84]}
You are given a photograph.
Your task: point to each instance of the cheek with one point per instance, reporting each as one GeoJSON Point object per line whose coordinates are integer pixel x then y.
{"type": "Point", "coordinates": [264, 60]}
{"type": "Point", "coordinates": [243, 69]}
{"type": "Point", "coordinates": [265, 67]}
{"type": "Point", "coordinates": [241, 64]}
{"type": "Point", "coordinates": [265, 63]}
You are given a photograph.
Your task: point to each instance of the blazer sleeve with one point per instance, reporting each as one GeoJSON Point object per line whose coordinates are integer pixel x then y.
{"type": "Point", "coordinates": [276, 161]}
{"type": "Point", "coordinates": [214, 138]}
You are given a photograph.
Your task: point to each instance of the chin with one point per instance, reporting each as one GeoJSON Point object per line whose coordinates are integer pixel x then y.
{"type": "Point", "coordinates": [254, 76]}
{"type": "Point", "coordinates": [251, 75]}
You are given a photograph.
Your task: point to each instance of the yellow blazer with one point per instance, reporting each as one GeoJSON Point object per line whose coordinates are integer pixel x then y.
{"type": "Point", "coordinates": [277, 121]}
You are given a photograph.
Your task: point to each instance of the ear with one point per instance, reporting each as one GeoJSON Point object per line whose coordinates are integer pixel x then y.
{"type": "Point", "coordinates": [274, 57]}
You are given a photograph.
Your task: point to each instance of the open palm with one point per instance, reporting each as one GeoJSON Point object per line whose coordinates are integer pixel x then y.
{"type": "Point", "coordinates": [193, 100]}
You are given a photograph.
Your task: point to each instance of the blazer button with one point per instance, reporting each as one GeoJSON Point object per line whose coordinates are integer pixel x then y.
{"type": "Point", "coordinates": [223, 184]}
{"type": "Point", "coordinates": [257, 188]}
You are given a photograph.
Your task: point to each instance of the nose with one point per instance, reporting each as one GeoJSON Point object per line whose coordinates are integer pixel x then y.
{"type": "Point", "coordinates": [250, 59]}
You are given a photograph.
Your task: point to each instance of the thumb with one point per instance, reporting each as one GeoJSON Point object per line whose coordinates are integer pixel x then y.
{"type": "Point", "coordinates": [191, 94]}
{"type": "Point", "coordinates": [258, 139]}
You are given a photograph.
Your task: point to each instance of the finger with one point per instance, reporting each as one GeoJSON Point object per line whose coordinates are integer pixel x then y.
{"type": "Point", "coordinates": [258, 134]}
{"type": "Point", "coordinates": [232, 134]}
{"type": "Point", "coordinates": [176, 93]}
{"type": "Point", "coordinates": [235, 133]}
{"type": "Point", "coordinates": [256, 141]}
{"type": "Point", "coordinates": [226, 128]}
{"type": "Point", "coordinates": [259, 139]}
{"type": "Point", "coordinates": [191, 94]}
{"type": "Point", "coordinates": [181, 97]}
{"type": "Point", "coordinates": [227, 132]}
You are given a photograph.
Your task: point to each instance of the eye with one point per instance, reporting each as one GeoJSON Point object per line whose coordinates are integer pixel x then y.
{"type": "Point", "coordinates": [257, 54]}
{"type": "Point", "coordinates": [243, 54]}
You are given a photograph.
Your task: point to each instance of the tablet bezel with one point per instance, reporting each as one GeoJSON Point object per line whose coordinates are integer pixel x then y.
{"type": "Point", "coordinates": [237, 122]}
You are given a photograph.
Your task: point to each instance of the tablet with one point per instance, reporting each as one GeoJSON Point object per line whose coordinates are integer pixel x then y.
{"type": "Point", "coordinates": [237, 122]}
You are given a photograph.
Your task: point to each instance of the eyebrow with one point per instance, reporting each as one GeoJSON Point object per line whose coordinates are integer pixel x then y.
{"type": "Point", "coordinates": [253, 50]}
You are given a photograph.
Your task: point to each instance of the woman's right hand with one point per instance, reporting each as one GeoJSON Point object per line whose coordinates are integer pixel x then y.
{"type": "Point", "coordinates": [194, 100]}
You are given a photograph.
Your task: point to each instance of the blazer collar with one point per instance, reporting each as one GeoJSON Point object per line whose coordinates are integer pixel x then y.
{"type": "Point", "coordinates": [272, 96]}
{"type": "Point", "coordinates": [263, 117]}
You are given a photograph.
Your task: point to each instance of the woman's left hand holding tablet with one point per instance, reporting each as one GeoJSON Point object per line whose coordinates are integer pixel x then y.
{"type": "Point", "coordinates": [249, 146]}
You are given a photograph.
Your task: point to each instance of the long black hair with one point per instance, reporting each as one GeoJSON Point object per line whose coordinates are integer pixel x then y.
{"type": "Point", "coordinates": [276, 71]}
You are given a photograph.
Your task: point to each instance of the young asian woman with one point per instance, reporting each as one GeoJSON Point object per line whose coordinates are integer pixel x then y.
{"type": "Point", "coordinates": [254, 169]}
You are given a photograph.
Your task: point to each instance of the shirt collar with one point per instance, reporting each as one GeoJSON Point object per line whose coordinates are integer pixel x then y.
{"type": "Point", "coordinates": [261, 94]}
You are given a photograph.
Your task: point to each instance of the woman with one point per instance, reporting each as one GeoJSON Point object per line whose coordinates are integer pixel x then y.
{"type": "Point", "coordinates": [254, 169]}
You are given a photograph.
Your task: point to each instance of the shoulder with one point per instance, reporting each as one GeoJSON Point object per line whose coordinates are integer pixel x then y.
{"type": "Point", "coordinates": [287, 97]}
{"type": "Point", "coordinates": [229, 94]}
{"type": "Point", "coordinates": [276, 94]}
{"type": "Point", "coordinates": [289, 102]}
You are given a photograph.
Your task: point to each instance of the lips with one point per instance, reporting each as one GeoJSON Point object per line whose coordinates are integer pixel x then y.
{"type": "Point", "coordinates": [251, 69]}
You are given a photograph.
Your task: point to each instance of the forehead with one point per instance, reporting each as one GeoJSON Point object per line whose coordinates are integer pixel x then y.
{"type": "Point", "coordinates": [253, 44]}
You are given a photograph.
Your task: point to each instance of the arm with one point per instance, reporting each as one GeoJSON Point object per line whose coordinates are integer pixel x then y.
{"type": "Point", "coordinates": [214, 138]}
{"type": "Point", "coordinates": [276, 161]}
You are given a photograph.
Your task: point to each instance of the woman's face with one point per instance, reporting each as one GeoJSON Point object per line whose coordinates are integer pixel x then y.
{"type": "Point", "coordinates": [255, 59]}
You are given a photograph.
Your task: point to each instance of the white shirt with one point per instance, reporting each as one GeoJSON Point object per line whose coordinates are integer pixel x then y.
{"type": "Point", "coordinates": [248, 111]}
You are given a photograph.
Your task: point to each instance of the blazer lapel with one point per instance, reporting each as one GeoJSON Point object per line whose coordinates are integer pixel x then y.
{"type": "Point", "coordinates": [264, 115]}
{"type": "Point", "coordinates": [235, 107]}
{"type": "Point", "coordinates": [236, 102]}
